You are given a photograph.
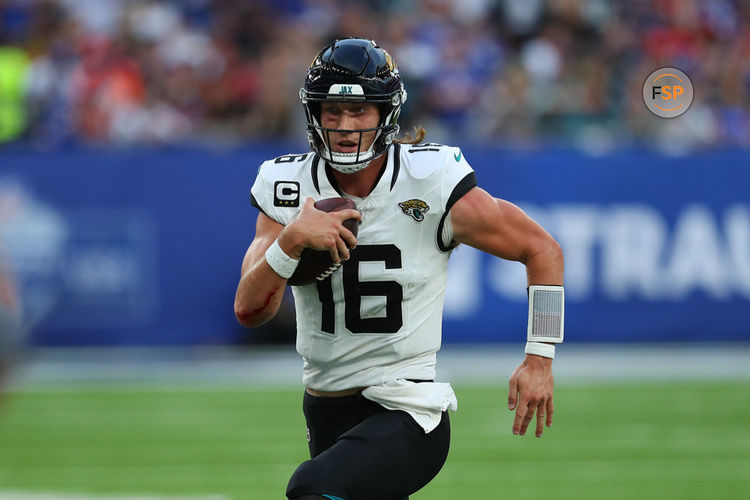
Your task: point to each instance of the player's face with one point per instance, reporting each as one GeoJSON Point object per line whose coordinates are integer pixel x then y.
{"type": "Point", "coordinates": [349, 116]}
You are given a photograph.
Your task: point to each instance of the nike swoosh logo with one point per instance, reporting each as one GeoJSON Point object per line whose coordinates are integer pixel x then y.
{"type": "Point", "coordinates": [457, 156]}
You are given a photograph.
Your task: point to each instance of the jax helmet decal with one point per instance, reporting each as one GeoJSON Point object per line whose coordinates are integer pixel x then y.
{"type": "Point", "coordinates": [353, 70]}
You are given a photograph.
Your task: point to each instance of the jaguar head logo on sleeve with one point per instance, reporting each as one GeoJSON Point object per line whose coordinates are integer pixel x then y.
{"type": "Point", "coordinates": [415, 208]}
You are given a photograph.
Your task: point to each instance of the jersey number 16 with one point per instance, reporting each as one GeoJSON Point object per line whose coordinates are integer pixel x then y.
{"type": "Point", "coordinates": [354, 290]}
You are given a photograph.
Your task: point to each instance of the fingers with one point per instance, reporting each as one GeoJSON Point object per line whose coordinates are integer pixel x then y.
{"type": "Point", "coordinates": [325, 230]}
{"type": "Point", "coordinates": [540, 413]}
{"type": "Point", "coordinates": [344, 242]}
{"type": "Point", "coordinates": [343, 249]}
{"type": "Point", "coordinates": [341, 245]}
{"type": "Point", "coordinates": [524, 414]}
{"type": "Point", "coordinates": [530, 408]}
{"type": "Point", "coordinates": [344, 233]}
{"type": "Point", "coordinates": [550, 410]}
{"type": "Point", "coordinates": [348, 237]}
{"type": "Point", "coordinates": [308, 204]}
{"type": "Point", "coordinates": [349, 213]}
{"type": "Point", "coordinates": [334, 251]}
{"type": "Point", "coordinates": [520, 417]}
{"type": "Point", "coordinates": [529, 405]}
{"type": "Point", "coordinates": [512, 392]}
{"type": "Point", "coordinates": [529, 392]}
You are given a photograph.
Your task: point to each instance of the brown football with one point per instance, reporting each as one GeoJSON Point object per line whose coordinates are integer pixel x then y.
{"type": "Point", "coordinates": [317, 265]}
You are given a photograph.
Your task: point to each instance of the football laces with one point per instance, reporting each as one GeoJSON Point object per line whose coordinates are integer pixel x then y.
{"type": "Point", "coordinates": [328, 271]}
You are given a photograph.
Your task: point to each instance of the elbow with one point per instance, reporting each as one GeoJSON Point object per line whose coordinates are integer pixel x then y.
{"type": "Point", "coordinates": [244, 317]}
{"type": "Point", "coordinates": [250, 318]}
{"type": "Point", "coordinates": [545, 261]}
{"type": "Point", "coordinates": [554, 261]}
{"type": "Point", "coordinates": [543, 248]}
{"type": "Point", "coordinates": [251, 311]}
{"type": "Point", "coordinates": [552, 253]}
{"type": "Point", "coordinates": [555, 252]}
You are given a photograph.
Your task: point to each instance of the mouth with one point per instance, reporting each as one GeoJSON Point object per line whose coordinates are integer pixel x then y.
{"type": "Point", "coordinates": [346, 146]}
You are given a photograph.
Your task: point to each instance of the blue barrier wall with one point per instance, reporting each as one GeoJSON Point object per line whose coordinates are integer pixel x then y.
{"type": "Point", "coordinates": [144, 247]}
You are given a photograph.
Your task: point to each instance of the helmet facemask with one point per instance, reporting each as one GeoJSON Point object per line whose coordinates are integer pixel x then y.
{"type": "Point", "coordinates": [385, 133]}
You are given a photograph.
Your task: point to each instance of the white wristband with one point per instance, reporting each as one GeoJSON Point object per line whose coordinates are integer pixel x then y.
{"type": "Point", "coordinates": [546, 313]}
{"type": "Point", "coordinates": [280, 261]}
{"type": "Point", "coordinates": [539, 349]}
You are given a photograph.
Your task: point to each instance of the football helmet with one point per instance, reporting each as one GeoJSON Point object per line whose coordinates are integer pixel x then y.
{"type": "Point", "coordinates": [352, 70]}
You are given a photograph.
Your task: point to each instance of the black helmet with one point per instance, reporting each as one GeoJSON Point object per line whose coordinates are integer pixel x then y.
{"type": "Point", "coordinates": [353, 69]}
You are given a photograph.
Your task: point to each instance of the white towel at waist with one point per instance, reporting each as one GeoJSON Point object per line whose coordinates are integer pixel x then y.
{"type": "Point", "coordinates": [424, 401]}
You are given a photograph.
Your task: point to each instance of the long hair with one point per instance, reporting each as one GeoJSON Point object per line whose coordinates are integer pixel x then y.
{"type": "Point", "coordinates": [416, 138]}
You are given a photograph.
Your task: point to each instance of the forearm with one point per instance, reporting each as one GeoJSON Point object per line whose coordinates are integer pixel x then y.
{"type": "Point", "coordinates": [261, 288]}
{"type": "Point", "coordinates": [259, 293]}
{"type": "Point", "coordinates": [544, 266]}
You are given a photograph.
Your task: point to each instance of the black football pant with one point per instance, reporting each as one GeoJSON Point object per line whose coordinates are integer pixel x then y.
{"type": "Point", "coordinates": [361, 451]}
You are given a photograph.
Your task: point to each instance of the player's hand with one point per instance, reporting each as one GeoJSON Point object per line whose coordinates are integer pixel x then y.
{"type": "Point", "coordinates": [530, 391]}
{"type": "Point", "coordinates": [313, 228]}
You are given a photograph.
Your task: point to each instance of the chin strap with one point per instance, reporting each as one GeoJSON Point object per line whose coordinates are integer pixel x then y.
{"type": "Point", "coordinates": [349, 168]}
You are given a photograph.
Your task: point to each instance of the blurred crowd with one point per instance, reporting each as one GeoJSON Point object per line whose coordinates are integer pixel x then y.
{"type": "Point", "coordinates": [511, 72]}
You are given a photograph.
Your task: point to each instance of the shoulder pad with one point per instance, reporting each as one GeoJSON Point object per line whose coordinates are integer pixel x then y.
{"type": "Point", "coordinates": [284, 165]}
{"type": "Point", "coordinates": [424, 160]}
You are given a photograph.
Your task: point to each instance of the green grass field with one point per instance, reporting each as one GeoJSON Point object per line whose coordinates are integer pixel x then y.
{"type": "Point", "coordinates": [616, 441]}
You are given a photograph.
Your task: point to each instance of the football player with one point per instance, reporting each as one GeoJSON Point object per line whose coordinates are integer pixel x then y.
{"type": "Point", "coordinates": [368, 334]}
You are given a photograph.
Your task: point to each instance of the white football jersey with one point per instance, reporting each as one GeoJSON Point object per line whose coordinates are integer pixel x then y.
{"type": "Point", "coordinates": [378, 318]}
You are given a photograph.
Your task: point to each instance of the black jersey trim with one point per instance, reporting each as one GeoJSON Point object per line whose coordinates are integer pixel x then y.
{"type": "Point", "coordinates": [332, 180]}
{"type": "Point", "coordinates": [314, 171]}
{"type": "Point", "coordinates": [396, 163]}
{"type": "Point", "coordinates": [335, 185]}
{"type": "Point", "coordinates": [380, 174]}
{"type": "Point", "coordinates": [254, 202]}
{"type": "Point", "coordinates": [463, 187]}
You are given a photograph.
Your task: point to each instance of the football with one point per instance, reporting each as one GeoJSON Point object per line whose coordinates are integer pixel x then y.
{"type": "Point", "coordinates": [315, 265]}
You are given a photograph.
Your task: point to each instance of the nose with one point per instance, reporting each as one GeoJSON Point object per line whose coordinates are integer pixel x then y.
{"type": "Point", "coordinates": [346, 121]}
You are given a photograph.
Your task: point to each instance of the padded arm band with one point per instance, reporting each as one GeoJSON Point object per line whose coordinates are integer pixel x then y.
{"type": "Point", "coordinates": [546, 313]}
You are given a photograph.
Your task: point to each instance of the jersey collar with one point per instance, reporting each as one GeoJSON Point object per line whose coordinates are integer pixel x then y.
{"type": "Point", "coordinates": [392, 165]}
